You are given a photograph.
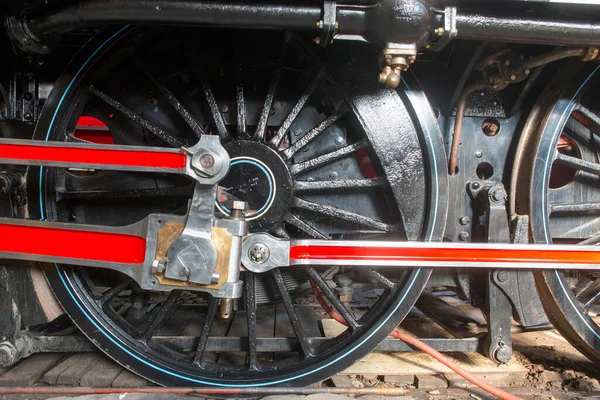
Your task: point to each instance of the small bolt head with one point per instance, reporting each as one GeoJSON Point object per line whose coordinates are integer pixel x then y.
{"type": "Point", "coordinates": [463, 236]}
{"type": "Point", "coordinates": [502, 276]}
{"type": "Point", "coordinates": [207, 160]}
{"type": "Point", "coordinates": [513, 77]}
{"type": "Point", "coordinates": [238, 205]}
{"type": "Point", "coordinates": [475, 185]}
{"type": "Point", "coordinates": [259, 253]}
{"type": "Point", "coordinates": [464, 220]}
{"type": "Point", "coordinates": [158, 267]}
{"type": "Point", "coordinates": [499, 195]}
{"type": "Point", "coordinates": [527, 71]}
{"type": "Point", "coordinates": [479, 153]}
{"type": "Point", "coordinates": [339, 140]}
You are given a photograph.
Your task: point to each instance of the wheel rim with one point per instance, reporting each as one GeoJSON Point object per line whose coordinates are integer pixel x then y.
{"type": "Point", "coordinates": [397, 301]}
{"type": "Point", "coordinates": [561, 202]}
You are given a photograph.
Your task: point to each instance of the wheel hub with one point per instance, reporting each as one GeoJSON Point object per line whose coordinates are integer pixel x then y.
{"type": "Point", "coordinates": [258, 176]}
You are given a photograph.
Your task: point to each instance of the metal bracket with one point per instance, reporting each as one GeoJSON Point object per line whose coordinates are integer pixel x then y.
{"type": "Point", "coordinates": [328, 25]}
{"type": "Point", "coordinates": [498, 305]}
{"type": "Point", "coordinates": [448, 32]}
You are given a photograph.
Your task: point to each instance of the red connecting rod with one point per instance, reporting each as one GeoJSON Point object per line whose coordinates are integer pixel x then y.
{"type": "Point", "coordinates": [92, 156]}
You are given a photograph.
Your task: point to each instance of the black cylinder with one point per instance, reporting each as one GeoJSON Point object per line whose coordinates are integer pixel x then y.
{"type": "Point", "coordinates": [222, 14]}
{"type": "Point", "coordinates": [527, 30]}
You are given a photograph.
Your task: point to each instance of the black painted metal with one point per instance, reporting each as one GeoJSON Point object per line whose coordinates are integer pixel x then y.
{"type": "Point", "coordinates": [525, 29]}
{"type": "Point", "coordinates": [71, 343]}
{"type": "Point", "coordinates": [213, 13]}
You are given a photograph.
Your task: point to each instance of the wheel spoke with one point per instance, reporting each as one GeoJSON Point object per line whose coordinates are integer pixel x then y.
{"type": "Point", "coordinates": [144, 123]}
{"type": "Point", "coordinates": [371, 273]}
{"type": "Point", "coordinates": [114, 291]}
{"type": "Point", "coordinates": [157, 318]}
{"type": "Point", "coordinates": [291, 311]}
{"type": "Point", "coordinates": [180, 108]}
{"type": "Point", "coordinates": [211, 313]}
{"type": "Point", "coordinates": [280, 231]}
{"type": "Point", "coordinates": [316, 131]}
{"type": "Point", "coordinates": [314, 186]}
{"type": "Point", "coordinates": [292, 219]}
{"type": "Point", "coordinates": [241, 108]}
{"type": "Point", "coordinates": [587, 118]}
{"type": "Point", "coordinates": [578, 163]}
{"type": "Point", "coordinates": [214, 109]}
{"type": "Point", "coordinates": [295, 169]}
{"type": "Point", "coordinates": [287, 122]}
{"type": "Point", "coordinates": [590, 295]}
{"type": "Point", "coordinates": [343, 215]}
{"type": "Point", "coordinates": [569, 208]}
{"type": "Point", "coordinates": [333, 299]}
{"type": "Point", "coordinates": [592, 240]}
{"type": "Point", "coordinates": [261, 127]}
{"type": "Point", "coordinates": [251, 317]}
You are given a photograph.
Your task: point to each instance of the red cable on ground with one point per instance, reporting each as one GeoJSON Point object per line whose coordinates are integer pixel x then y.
{"type": "Point", "coordinates": [425, 348]}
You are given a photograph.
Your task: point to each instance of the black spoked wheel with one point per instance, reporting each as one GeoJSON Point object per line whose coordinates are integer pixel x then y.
{"type": "Point", "coordinates": [563, 198]}
{"type": "Point", "coordinates": [309, 156]}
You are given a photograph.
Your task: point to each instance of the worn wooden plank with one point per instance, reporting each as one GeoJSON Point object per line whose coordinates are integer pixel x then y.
{"type": "Point", "coordinates": [341, 381]}
{"type": "Point", "coordinates": [72, 374]}
{"type": "Point", "coordinates": [28, 371]}
{"type": "Point", "coordinates": [102, 374]}
{"type": "Point", "coordinates": [128, 379]}
{"type": "Point", "coordinates": [51, 376]}
{"type": "Point", "coordinates": [416, 363]}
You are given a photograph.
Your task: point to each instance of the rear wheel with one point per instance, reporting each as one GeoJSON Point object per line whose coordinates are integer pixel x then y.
{"type": "Point", "coordinates": [561, 184]}
{"type": "Point", "coordinates": [312, 157]}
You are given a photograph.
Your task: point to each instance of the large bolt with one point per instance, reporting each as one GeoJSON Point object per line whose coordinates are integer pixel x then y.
{"type": "Point", "coordinates": [464, 220]}
{"type": "Point", "coordinates": [259, 253]}
{"type": "Point", "coordinates": [502, 354]}
{"type": "Point", "coordinates": [206, 163]}
{"type": "Point", "coordinates": [463, 236]}
{"type": "Point", "coordinates": [8, 354]}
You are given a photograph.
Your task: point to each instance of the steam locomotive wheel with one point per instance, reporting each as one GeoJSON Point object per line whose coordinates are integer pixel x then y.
{"type": "Point", "coordinates": [563, 198]}
{"type": "Point", "coordinates": [306, 156]}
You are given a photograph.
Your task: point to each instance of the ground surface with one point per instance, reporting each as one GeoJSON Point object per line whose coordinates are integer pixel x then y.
{"type": "Point", "coordinates": [544, 366]}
